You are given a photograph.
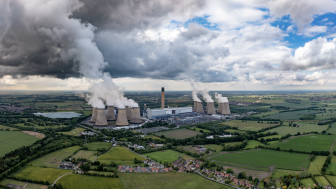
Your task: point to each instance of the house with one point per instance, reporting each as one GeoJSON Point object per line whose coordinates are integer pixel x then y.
{"type": "Point", "coordinates": [217, 173]}
{"type": "Point", "coordinates": [328, 187]}
{"type": "Point", "coordinates": [236, 181]}
{"type": "Point", "coordinates": [232, 178]}
{"type": "Point", "coordinates": [249, 185]}
{"type": "Point", "coordinates": [66, 165]}
{"type": "Point", "coordinates": [170, 169]}
{"type": "Point", "coordinates": [130, 170]}
{"type": "Point", "coordinates": [242, 183]}
{"type": "Point", "coordinates": [181, 170]}
{"type": "Point", "coordinates": [120, 167]}
{"type": "Point", "coordinates": [226, 175]}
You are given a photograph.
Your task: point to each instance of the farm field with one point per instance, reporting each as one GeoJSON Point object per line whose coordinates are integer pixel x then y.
{"type": "Point", "coordinates": [154, 137]}
{"type": "Point", "coordinates": [11, 140]}
{"type": "Point", "coordinates": [166, 155]}
{"type": "Point", "coordinates": [308, 143]}
{"type": "Point", "coordinates": [272, 136]}
{"type": "Point", "coordinates": [316, 165]}
{"type": "Point", "coordinates": [120, 156]}
{"type": "Point", "coordinates": [264, 114]}
{"type": "Point", "coordinates": [253, 144]}
{"type": "Point", "coordinates": [89, 155]}
{"type": "Point", "coordinates": [20, 183]}
{"type": "Point", "coordinates": [99, 145]}
{"type": "Point", "coordinates": [53, 159]}
{"type": "Point", "coordinates": [74, 132]}
{"type": "Point", "coordinates": [322, 180]}
{"type": "Point", "coordinates": [282, 172]}
{"type": "Point", "coordinates": [332, 180]}
{"type": "Point", "coordinates": [332, 129]}
{"type": "Point", "coordinates": [308, 182]}
{"type": "Point", "coordinates": [76, 181]}
{"type": "Point", "coordinates": [233, 131]}
{"type": "Point", "coordinates": [214, 147]}
{"type": "Point", "coordinates": [101, 172]}
{"type": "Point", "coordinates": [5, 127]}
{"type": "Point", "coordinates": [38, 173]}
{"type": "Point", "coordinates": [167, 181]}
{"type": "Point", "coordinates": [199, 129]}
{"type": "Point", "coordinates": [284, 130]}
{"type": "Point", "coordinates": [292, 115]}
{"type": "Point", "coordinates": [332, 165]}
{"type": "Point", "coordinates": [262, 158]}
{"type": "Point", "coordinates": [178, 133]}
{"type": "Point", "coordinates": [248, 125]}
{"type": "Point", "coordinates": [241, 166]}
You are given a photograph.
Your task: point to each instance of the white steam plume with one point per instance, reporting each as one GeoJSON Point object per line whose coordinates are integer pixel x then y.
{"type": "Point", "coordinates": [220, 98]}
{"type": "Point", "coordinates": [194, 92]}
{"type": "Point", "coordinates": [206, 96]}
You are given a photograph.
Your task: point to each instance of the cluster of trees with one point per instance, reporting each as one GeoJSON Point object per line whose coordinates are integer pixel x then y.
{"type": "Point", "coordinates": [326, 164]}
{"type": "Point", "coordinates": [234, 147]}
{"type": "Point", "coordinates": [308, 117]}
{"type": "Point", "coordinates": [30, 180]}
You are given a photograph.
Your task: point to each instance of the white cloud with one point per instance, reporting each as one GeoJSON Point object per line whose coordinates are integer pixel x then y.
{"type": "Point", "coordinates": [313, 30]}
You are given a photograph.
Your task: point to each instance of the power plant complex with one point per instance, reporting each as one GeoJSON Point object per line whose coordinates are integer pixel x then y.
{"type": "Point", "coordinates": [128, 114]}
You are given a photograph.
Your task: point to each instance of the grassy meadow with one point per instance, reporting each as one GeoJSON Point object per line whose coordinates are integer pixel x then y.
{"type": "Point", "coordinates": [284, 130]}
{"type": "Point", "coordinates": [248, 125]}
{"type": "Point", "coordinates": [76, 181]}
{"type": "Point", "coordinates": [178, 133]}
{"type": "Point", "coordinates": [119, 155]}
{"type": "Point", "coordinates": [11, 140]}
{"type": "Point", "coordinates": [316, 165]}
{"type": "Point", "coordinates": [282, 172]}
{"type": "Point", "coordinates": [74, 132]}
{"type": "Point", "coordinates": [89, 155]}
{"type": "Point", "coordinates": [99, 145]}
{"type": "Point", "coordinates": [38, 173]}
{"type": "Point", "coordinates": [322, 180]}
{"type": "Point", "coordinates": [166, 155]}
{"type": "Point", "coordinates": [253, 144]}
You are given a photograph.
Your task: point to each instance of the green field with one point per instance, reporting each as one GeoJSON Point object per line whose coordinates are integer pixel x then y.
{"type": "Point", "coordinates": [154, 137]}
{"type": "Point", "coordinates": [316, 165]}
{"type": "Point", "coordinates": [166, 155]}
{"type": "Point", "coordinates": [322, 180]}
{"type": "Point", "coordinates": [248, 125]}
{"type": "Point", "coordinates": [5, 127]}
{"type": "Point", "coordinates": [119, 155]}
{"type": "Point", "coordinates": [199, 129]}
{"type": "Point", "coordinates": [284, 130]}
{"type": "Point", "coordinates": [214, 147]}
{"type": "Point", "coordinates": [233, 131]}
{"type": "Point", "coordinates": [332, 165]}
{"type": "Point", "coordinates": [89, 155]}
{"type": "Point", "coordinates": [308, 143]}
{"type": "Point", "coordinates": [103, 172]}
{"type": "Point", "coordinates": [267, 113]}
{"type": "Point", "coordinates": [20, 183]}
{"type": "Point", "coordinates": [55, 158]}
{"type": "Point", "coordinates": [11, 140]}
{"type": "Point", "coordinates": [38, 173]}
{"type": "Point", "coordinates": [76, 181]}
{"type": "Point", "coordinates": [272, 136]}
{"type": "Point", "coordinates": [332, 129]}
{"type": "Point", "coordinates": [308, 182]}
{"type": "Point", "coordinates": [167, 181]}
{"type": "Point", "coordinates": [99, 145]}
{"type": "Point", "coordinates": [262, 158]}
{"type": "Point", "coordinates": [241, 166]}
{"type": "Point", "coordinates": [74, 132]}
{"type": "Point", "coordinates": [292, 115]}
{"type": "Point", "coordinates": [282, 172]}
{"type": "Point", "coordinates": [178, 133]}
{"type": "Point", "coordinates": [332, 180]}
{"type": "Point", "coordinates": [253, 144]}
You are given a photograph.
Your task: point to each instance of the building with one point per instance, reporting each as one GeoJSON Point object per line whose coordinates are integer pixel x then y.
{"type": "Point", "coordinates": [66, 165]}
{"type": "Point", "coordinates": [154, 113]}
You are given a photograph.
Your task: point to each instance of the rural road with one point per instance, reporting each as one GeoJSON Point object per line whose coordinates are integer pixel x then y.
{"type": "Point", "coordinates": [59, 178]}
{"type": "Point", "coordinates": [103, 153]}
{"type": "Point", "coordinates": [332, 145]}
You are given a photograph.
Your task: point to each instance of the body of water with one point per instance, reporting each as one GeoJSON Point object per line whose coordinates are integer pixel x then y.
{"type": "Point", "coordinates": [59, 114]}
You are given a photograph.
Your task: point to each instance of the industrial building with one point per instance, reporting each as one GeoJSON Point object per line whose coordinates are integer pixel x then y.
{"type": "Point", "coordinates": [166, 112]}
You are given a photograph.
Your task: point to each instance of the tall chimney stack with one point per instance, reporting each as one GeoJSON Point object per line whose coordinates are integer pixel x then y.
{"type": "Point", "coordinates": [162, 98]}
{"type": "Point", "coordinates": [122, 118]}
{"type": "Point", "coordinates": [101, 117]}
{"type": "Point", "coordinates": [94, 115]}
{"type": "Point", "coordinates": [110, 113]}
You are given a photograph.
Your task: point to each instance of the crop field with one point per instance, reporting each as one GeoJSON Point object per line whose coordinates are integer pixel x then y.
{"type": "Point", "coordinates": [253, 144]}
{"type": "Point", "coordinates": [20, 183]}
{"type": "Point", "coordinates": [308, 182]}
{"type": "Point", "coordinates": [248, 125]}
{"type": "Point", "coordinates": [284, 130]}
{"type": "Point", "coordinates": [308, 143]}
{"type": "Point", "coordinates": [89, 155]}
{"type": "Point", "coordinates": [199, 129]}
{"type": "Point", "coordinates": [292, 115]}
{"type": "Point", "coordinates": [178, 133]}
{"type": "Point", "coordinates": [53, 159]}
{"type": "Point", "coordinates": [322, 180]}
{"type": "Point", "coordinates": [262, 158]}
{"type": "Point", "coordinates": [103, 172]}
{"type": "Point", "coordinates": [38, 173]}
{"type": "Point", "coordinates": [332, 180]}
{"type": "Point", "coordinates": [332, 129]}
{"type": "Point", "coordinates": [120, 156]}
{"type": "Point", "coordinates": [214, 147]}
{"type": "Point", "coordinates": [264, 114]}
{"type": "Point", "coordinates": [11, 140]}
{"type": "Point", "coordinates": [167, 181]}
{"type": "Point", "coordinates": [332, 165]}
{"type": "Point", "coordinates": [282, 172]}
{"type": "Point", "coordinates": [166, 155]}
{"type": "Point", "coordinates": [242, 166]}
{"type": "Point", "coordinates": [5, 127]}
{"type": "Point", "coordinates": [74, 132]}
{"type": "Point", "coordinates": [316, 165]}
{"type": "Point", "coordinates": [99, 145]}
{"type": "Point", "coordinates": [76, 181]}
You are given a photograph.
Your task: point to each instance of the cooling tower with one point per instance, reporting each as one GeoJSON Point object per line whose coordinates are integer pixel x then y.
{"type": "Point", "coordinates": [136, 115]}
{"type": "Point", "coordinates": [195, 106]}
{"type": "Point", "coordinates": [101, 117]}
{"type": "Point", "coordinates": [129, 112]}
{"type": "Point", "coordinates": [122, 118]}
{"type": "Point", "coordinates": [199, 108]}
{"type": "Point", "coordinates": [94, 115]}
{"type": "Point", "coordinates": [206, 108]}
{"type": "Point", "coordinates": [211, 108]}
{"type": "Point", "coordinates": [110, 113]}
{"type": "Point", "coordinates": [225, 108]}
{"type": "Point", "coordinates": [220, 107]}
{"type": "Point", "coordinates": [162, 98]}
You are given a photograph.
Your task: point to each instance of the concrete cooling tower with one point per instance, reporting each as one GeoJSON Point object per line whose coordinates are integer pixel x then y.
{"type": "Point", "coordinates": [220, 106]}
{"type": "Point", "coordinates": [199, 108]}
{"type": "Point", "coordinates": [94, 115]}
{"type": "Point", "coordinates": [211, 108]}
{"type": "Point", "coordinates": [195, 106]}
{"type": "Point", "coordinates": [101, 117]}
{"type": "Point", "coordinates": [136, 115]}
{"type": "Point", "coordinates": [225, 108]}
{"type": "Point", "coordinates": [110, 115]}
{"type": "Point", "coordinates": [128, 113]}
{"type": "Point", "coordinates": [122, 118]}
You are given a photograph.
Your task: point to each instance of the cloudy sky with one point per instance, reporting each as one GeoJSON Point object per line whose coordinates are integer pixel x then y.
{"type": "Point", "coordinates": [146, 44]}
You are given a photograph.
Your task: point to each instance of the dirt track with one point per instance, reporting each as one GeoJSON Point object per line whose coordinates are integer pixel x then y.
{"type": "Point", "coordinates": [36, 134]}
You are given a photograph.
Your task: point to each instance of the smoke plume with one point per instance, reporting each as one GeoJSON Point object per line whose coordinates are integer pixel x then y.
{"type": "Point", "coordinates": [220, 98]}
{"type": "Point", "coordinates": [206, 96]}
{"type": "Point", "coordinates": [194, 93]}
